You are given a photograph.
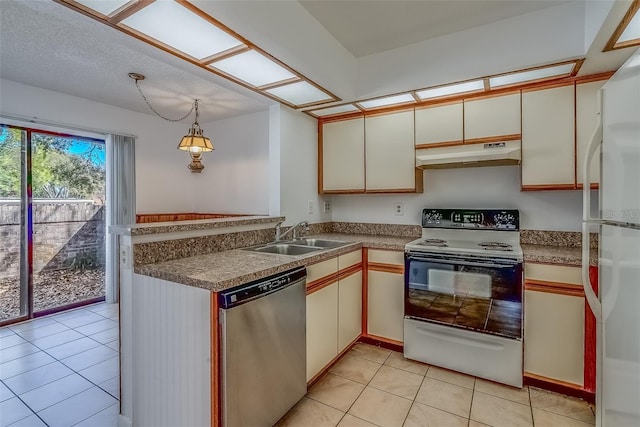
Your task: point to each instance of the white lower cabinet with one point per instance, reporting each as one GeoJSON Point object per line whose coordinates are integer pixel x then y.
{"type": "Point", "coordinates": [349, 309]}
{"type": "Point", "coordinates": [554, 336]}
{"type": "Point", "coordinates": [554, 322]}
{"type": "Point", "coordinates": [322, 328]}
{"type": "Point", "coordinates": [386, 304]}
{"type": "Point", "coordinates": [334, 312]}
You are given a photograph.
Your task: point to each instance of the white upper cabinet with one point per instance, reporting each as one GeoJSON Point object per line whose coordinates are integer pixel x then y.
{"type": "Point", "coordinates": [548, 157]}
{"type": "Point", "coordinates": [390, 152]}
{"type": "Point", "coordinates": [586, 114]}
{"type": "Point", "coordinates": [343, 156]}
{"type": "Point", "coordinates": [439, 124]}
{"type": "Point", "coordinates": [492, 117]}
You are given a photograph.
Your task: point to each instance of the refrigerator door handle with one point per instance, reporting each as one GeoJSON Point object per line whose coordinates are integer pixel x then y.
{"type": "Point", "coordinates": [594, 144]}
{"type": "Point", "coordinates": [590, 295]}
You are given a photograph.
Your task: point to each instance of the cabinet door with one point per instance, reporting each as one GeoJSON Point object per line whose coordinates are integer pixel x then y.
{"type": "Point", "coordinates": [548, 137]}
{"type": "Point", "coordinates": [322, 328]}
{"type": "Point", "coordinates": [349, 309]}
{"type": "Point", "coordinates": [343, 156]}
{"type": "Point", "coordinates": [554, 336]}
{"type": "Point", "coordinates": [492, 117]}
{"type": "Point", "coordinates": [440, 124]}
{"type": "Point", "coordinates": [586, 115]}
{"type": "Point", "coordinates": [390, 152]}
{"type": "Point", "coordinates": [385, 304]}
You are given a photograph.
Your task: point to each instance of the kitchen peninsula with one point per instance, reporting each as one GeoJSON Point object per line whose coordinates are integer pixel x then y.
{"type": "Point", "coordinates": [171, 273]}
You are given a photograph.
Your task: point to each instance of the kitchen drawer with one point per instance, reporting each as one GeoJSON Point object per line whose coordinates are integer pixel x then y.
{"type": "Point", "coordinates": [321, 269]}
{"type": "Point", "coordinates": [347, 260]}
{"type": "Point", "coordinates": [553, 273]}
{"type": "Point", "coordinates": [386, 257]}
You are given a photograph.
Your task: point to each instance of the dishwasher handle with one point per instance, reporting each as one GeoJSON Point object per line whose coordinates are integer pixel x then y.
{"type": "Point", "coordinates": [247, 292]}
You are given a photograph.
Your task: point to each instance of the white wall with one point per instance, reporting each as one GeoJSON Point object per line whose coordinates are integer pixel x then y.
{"type": "Point", "coordinates": [236, 174]}
{"type": "Point", "coordinates": [299, 168]}
{"type": "Point", "coordinates": [509, 44]}
{"type": "Point", "coordinates": [484, 187]}
{"type": "Point", "coordinates": [163, 183]}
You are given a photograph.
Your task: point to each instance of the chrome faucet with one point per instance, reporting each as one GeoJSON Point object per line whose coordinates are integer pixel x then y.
{"type": "Point", "coordinates": [293, 229]}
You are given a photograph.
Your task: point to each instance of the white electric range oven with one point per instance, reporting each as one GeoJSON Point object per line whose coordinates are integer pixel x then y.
{"type": "Point", "coordinates": [463, 293]}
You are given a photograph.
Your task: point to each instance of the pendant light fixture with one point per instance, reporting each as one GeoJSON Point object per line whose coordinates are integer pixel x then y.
{"type": "Point", "coordinates": [194, 141]}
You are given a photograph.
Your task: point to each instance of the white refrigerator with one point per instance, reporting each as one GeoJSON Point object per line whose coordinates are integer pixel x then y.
{"type": "Point", "coordinates": [617, 305]}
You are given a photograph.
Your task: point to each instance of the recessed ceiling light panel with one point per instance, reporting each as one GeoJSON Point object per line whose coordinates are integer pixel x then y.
{"type": "Point", "coordinates": [537, 74]}
{"type": "Point", "coordinates": [451, 89]}
{"type": "Point", "coordinates": [178, 27]}
{"type": "Point", "coordinates": [105, 7]}
{"type": "Point", "coordinates": [349, 108]}
{"type": "Point", "coordinates": [300, 93]}
{"type": "Point", "coordinates": [253, 68]}
{"type": "Point", "coordinates": [632, 32]}
{"type": "Point", "coordinates": [387, 100]}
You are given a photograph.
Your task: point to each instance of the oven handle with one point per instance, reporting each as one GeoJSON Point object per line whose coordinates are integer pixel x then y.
{"type": "Point", "coordinates": [461, 340]}
{"type": "Point", "coordinates": [463, 262]}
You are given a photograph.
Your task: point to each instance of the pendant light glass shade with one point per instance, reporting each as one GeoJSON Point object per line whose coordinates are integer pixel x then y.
{"type": "Point", "coordinates": [195, 143]}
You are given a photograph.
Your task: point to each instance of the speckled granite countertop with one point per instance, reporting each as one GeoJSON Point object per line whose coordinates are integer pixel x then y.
{"type": "Point", "coordinates": [551, 254]}
{"type": "Point", "coordinates": [198, 224]}
{"type": "Point", "coordinates": [221, 270]}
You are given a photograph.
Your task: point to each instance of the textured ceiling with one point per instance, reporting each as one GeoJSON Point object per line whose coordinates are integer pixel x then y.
{"type": "Point", "coordinates": [47, 45]}
{"type": "Point", "coordinates": [365, 27]}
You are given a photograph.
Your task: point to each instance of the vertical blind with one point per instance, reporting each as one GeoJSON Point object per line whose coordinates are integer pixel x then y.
{"type": "Point", "coordinates": [121, 206]}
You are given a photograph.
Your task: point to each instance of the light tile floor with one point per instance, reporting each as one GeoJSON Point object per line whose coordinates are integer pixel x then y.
{"type": "Point", "coordinates": [61, 370]}
{"type": "Point", "coordinates": [371, 386]}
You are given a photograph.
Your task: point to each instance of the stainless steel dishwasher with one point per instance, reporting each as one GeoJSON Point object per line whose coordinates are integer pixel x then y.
{"type": "Point", "coordinates": [263, 336]}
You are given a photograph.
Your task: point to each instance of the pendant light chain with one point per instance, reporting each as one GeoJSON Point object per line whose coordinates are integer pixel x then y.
{"type": "Point", "coordinates": [158, 114]}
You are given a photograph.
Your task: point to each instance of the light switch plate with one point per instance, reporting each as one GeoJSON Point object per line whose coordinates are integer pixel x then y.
{"type": "Point", "coordinates": [310, 207]}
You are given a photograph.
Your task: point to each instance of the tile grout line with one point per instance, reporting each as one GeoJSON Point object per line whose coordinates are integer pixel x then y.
{"type": "Point", "coordinates": [73, 371]}
{"type": "Point", "coordinates": [29, 407]}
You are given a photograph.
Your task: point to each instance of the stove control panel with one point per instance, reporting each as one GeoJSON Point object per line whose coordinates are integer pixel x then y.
{"type": "Point", "coordinates": [482, 219]}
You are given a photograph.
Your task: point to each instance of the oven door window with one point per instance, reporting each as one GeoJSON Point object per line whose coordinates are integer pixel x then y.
{"type": "Point", "coordinates": [484, 296]}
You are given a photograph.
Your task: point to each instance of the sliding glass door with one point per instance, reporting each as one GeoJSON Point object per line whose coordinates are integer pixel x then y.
{"type": "Point", "coordinates": [53, 214]}
{"type": "Point", "coordinates": [14, 275]}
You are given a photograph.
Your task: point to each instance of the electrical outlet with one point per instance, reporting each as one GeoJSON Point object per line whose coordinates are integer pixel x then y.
{"type": "Point", "coordinates": [124, 257]}
{"type": "Point", "coordinates": [399, 209]}
{"type": "Point", "coordinates": [310, 207]}
{"type": "Point", "coordinates": [327, 206]}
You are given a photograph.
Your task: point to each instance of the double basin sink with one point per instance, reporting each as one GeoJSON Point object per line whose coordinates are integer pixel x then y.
{"type": "Point", "coordinates": [297, 246]}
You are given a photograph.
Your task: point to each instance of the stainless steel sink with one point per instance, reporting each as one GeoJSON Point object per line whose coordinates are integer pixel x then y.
{"type": "Point", "coordinates": [285, 249]}
{"type": "Point", "coordinates": [320, 243]}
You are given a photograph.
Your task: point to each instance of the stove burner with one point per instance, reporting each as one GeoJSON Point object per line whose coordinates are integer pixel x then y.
{"type": "Point", "coordinates": [495, 245]}
{"type": "Point", "coordinates": [434, 242]}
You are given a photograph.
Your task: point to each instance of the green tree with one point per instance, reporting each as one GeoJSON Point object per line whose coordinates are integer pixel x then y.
{"type": "Point", "coordinates": [56, 171]}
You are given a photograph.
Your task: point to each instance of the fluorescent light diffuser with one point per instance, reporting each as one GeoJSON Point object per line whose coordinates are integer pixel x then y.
{"type": "Point", "coordinates": [632, 32]}
{"type": "Point", "coordinates": [105, 7]}
{"type": "Point", "coordinates": [178, 27]}
{"type": "Point", "coordinates": [335, 110]}
{"type": "Point", "coordinates": [299, 93]}
{"type": "Point", "coordinates": [253, 68]}
{"type": "Point", "coordinates": [388, 100]}
{"type": "Point", "coordinates": [537, 74]}
{"type": "Point", "coordinates": [451, 89]}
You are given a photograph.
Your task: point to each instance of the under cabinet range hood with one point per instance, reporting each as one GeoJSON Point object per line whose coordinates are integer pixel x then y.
{"type": "Point", "coordinates": [469, 155]}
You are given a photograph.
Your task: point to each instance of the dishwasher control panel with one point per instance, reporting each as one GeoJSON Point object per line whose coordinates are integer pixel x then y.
{"type": "Point", "coordinates": [261, 287]}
